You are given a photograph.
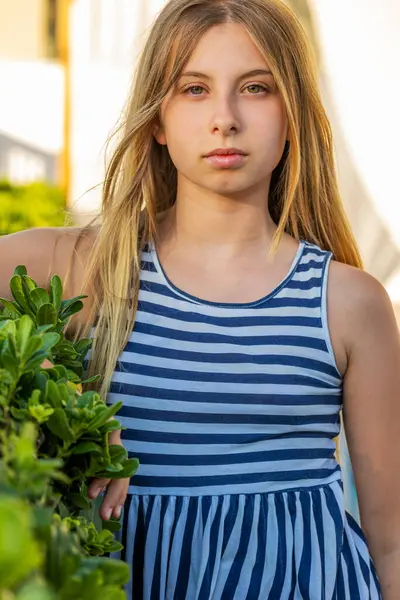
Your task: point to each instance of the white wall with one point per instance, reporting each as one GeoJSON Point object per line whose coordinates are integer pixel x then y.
{"type": "Point", "coordinates": [105, 38]}
{"type": "Point", "coordinates": [31, 119]}
{"type": "Point", "coordinates": [360, 41]}
{"type": "Point", "coordinates": [32, 103]}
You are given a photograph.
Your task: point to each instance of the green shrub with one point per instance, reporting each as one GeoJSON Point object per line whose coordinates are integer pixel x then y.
{"type": "Point", "coordinates": [53, 440]}
{"type": "Point", "coordinates": [33, 205]}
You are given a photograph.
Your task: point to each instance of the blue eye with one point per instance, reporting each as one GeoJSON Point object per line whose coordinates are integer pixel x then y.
{"type": "Point", "coordinates": [193, 87]}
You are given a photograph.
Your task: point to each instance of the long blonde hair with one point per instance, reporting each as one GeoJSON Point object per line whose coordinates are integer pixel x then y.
{"type": "Point", "coordinates": [141, 180]}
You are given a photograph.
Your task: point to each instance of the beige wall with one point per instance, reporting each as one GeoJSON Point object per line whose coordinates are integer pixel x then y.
{"type": "Point", "coordinates": [22, 24]}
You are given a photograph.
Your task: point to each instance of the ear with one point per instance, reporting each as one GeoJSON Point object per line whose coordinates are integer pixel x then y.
{"type": "Point", "coordinates": [159, 135]}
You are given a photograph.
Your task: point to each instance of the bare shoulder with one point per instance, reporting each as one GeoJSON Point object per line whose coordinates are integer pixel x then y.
{"type": "Point", "coordinates": [32, 248]}
{"type": "Point", "coordinates": [46, 251]}
{"type": "Point", "coordinates": [355, 290]}
{"type": "Point", "coordinates": [71, 253]}
{"type": "Point", "coordinates": [357, 305]}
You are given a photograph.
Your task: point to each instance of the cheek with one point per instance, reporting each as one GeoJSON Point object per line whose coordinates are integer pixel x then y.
{"type": "Point", "coordinates": [184, 119]}
{"type": "Point", "coordinates": [271, 120]}
{"type": "Point", "coordinates": [183, 130]}
{"type": "Point", "coordinates": [181, 147]}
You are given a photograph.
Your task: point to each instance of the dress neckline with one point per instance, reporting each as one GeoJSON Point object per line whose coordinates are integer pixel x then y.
{"type": "Point", "coordinates": [190, 297]}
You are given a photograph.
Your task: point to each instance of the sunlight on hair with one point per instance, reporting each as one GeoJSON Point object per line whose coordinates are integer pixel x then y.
{"type": "Point", "coordinates": [141, 180]}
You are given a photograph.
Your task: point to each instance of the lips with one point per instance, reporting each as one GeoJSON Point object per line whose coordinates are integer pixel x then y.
{"type": "Point", "coordinates": [225, 152]}
{"type": "Point", "coordinates": [226, 161]}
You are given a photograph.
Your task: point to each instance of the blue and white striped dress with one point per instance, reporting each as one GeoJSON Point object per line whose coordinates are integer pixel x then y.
{"type": "Point", "coordinates": [232, 411]}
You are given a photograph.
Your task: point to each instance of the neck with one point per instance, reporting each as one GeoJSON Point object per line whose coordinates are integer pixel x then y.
{"type": "Point", "coordinates": [205, 221]}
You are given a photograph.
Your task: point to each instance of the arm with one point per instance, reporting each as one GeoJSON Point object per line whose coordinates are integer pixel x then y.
{"type": "Point", "coordinates": [45, 251]}
{"type": "Point", "coordinates": [372, 420]}
{"type": "Point", "coordinates": [33, 248]}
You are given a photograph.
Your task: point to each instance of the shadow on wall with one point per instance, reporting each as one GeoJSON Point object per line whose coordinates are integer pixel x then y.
{"type": "Point", "coordinates": [23, 163]}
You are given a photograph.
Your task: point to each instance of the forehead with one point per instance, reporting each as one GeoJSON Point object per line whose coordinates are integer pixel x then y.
{"type": "Point", "coordinates": [222, 48]}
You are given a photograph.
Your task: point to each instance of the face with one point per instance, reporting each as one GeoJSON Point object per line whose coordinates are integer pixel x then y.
{"type": "Point", "coordinates": [225, 99]}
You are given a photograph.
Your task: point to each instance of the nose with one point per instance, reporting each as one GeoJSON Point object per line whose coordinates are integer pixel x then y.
{"type": "Point", "coordinates": [225, 119]}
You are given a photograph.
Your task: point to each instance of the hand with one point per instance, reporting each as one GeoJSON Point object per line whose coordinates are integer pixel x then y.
{"type": "Point", "coordinates": [117, 489]}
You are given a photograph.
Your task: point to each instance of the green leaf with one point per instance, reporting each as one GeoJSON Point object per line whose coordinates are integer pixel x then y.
{"type": "Point", "coordinates": [63, 392]}
{"type": "Point", "coordinates": [20, 270]}
{"type": "Point", "coordinates": [35, 590]}
{"type": "Point", "coordinates": [88, 399]}
{"type": "Point", "coordinates": [34, 344]}
{"type": "Point", "coordinates": [35, 397]}
{"type": "Point", "coordinates": [112, 525]}
{"type": "Point", "coordinates": [56, 290]}
{"type": "Point", "coordinates": [62, 372]}
{"type": "Point", "coordinates": [40, 413]}
{"type": "Point", "coordinates": [19, 296]}
{"type": "Point", "coordinates": [91, 379]}
{"type": "Point", "coordinates": [67, 350]}
{"type": "Point", "coordinates": [60, 476]}
{"type": "Point", "coordinates": [9, 359]}
{"type": "Point", "coordinates": [72, 376]}
{"type": "Point", "coordinates": [8, 327]}
{"type": "Point", "coordinates": [12, 307]}
{"type": "Point", "coordinates": [41, 379]}
{"type": "Point", "coordinates": [86, 447]}
{"type": "Point", "coordinates": [24, 331]}
{"type": "Point", "coordinates": [67, 303]}
{"type": "Point", "coordinates": [39, 296]}
{"type": "Point", "coordinates": [28, 285]}
{"type": "Point", "coordinates": [104, 415]}
{"type": "Point", "coordinates": [20, 414]}
{"type": "Point", "coordinates": [128, 470]}
{"type": "Point", "coordinates": [71, 310]}
{"type": "Point", "coordinates": [10, 365]}
{"type": "Point", "coordinates": [115, 571]}
{"type": "Point", "coordinates": [20, 553]}
{"type": "Point", "coordinates": [35, 360]}
{"type": "Point", "coordinates": [49, 340]}
{"type": "Point", "coordinates": [11, 346]}
{"type": "Point", "coordinates": [117, 453]}
{"type": "Point", "coordinates": [82, 347]}
{"type": "Point", "coordinates": [52, 394]}
{"type": "Point", "coordinates": [58, 424]}
{"type": "Point", "coordinates": [131, 466]}
{"type": "Point", "coordinates": [78, 500]}
{"type": "Point", "coordinates": [43, 329]}
{"type": "Point", "coordinates": [46, 315]}
{"type": "Point", "coordinates": [110, 426]}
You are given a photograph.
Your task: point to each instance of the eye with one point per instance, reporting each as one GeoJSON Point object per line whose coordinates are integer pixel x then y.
{"type": "Point", "coordinates": [257, 87]}
{"type": "Point", "coordinates": [193, 89]}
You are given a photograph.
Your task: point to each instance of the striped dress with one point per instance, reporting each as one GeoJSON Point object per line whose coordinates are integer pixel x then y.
{"type": "Point", "coordinates": [232, 411]}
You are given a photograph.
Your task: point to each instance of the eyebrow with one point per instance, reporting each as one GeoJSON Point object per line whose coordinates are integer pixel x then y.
{"type": "Point", "coordinates": [252, 73]}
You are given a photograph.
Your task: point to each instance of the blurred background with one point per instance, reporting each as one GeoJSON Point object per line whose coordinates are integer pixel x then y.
{"type": "Point", "coordinates": [65, 71]}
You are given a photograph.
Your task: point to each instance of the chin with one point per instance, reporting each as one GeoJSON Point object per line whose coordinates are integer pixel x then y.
{"type": "Point", "coordinates": [229, 189]}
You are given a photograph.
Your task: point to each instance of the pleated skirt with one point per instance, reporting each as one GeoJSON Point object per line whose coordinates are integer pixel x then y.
{"type": "Point", "coordinates": [291, 545]}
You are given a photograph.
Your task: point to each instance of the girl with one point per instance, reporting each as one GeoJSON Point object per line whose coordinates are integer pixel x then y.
{"type": "Point", "coordinates": [231, 316]}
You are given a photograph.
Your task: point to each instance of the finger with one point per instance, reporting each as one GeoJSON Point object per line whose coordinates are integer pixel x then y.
{"type": "Point", "coordinates": [114, 438]}
{"type": "Point", "coordinates": [46, 364]}
{"type": "Point", "coordinates": [96, 486]}
{"type": "Point", "coordinates": [114, 499]}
